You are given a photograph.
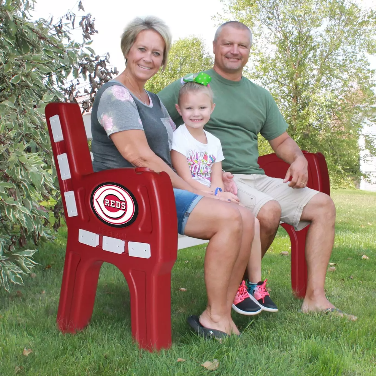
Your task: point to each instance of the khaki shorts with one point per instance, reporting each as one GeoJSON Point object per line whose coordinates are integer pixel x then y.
{"type": "Point", "coordinates": [256, 190]}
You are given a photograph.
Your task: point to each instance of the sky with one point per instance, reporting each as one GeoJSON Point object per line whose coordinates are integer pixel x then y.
{"type": "Point", "coordinates": [111, 17]}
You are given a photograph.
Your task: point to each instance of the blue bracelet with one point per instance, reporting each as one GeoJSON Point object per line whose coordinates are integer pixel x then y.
{"type": "Point", "coordinates": [217, 190]}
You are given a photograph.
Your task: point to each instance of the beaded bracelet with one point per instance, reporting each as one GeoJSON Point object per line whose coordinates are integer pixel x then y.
{"type": "Point", "coordinates": [217, 190]}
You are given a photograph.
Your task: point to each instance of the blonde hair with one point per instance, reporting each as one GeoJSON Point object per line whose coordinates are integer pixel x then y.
{"type": "Point", "coordinates": [134, 28]}
{"type": "Point", "coordinates": [190, 87]}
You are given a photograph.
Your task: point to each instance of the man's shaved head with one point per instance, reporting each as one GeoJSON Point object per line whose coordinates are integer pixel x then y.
{"type": "Point", "coordinates": [234, 24]}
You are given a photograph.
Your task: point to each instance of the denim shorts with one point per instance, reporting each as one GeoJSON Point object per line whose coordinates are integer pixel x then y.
{"type": "Point", "coordinates": [185, 202]}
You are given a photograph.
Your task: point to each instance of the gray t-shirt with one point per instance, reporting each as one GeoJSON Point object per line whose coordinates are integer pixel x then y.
{"type": "Point", "coordinates": [115, 109]}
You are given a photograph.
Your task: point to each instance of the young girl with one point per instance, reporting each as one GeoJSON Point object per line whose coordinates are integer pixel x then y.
{"type": "Point", "coordinates": [196, 156]}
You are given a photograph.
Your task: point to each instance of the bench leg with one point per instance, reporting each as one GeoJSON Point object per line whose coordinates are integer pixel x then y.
{"type": "Point", "coordinates": [72, 261]}
{"type": "Point", "coordinates": [159, 305]}
{"type": "Point", "coordinates": [137, 291]}
{"type": "Point", "coordinates": [80, 280]}
{"type": "Point", "coordinates": [298, 261]}
{"type": "Point", "coordinates": [150, 309]}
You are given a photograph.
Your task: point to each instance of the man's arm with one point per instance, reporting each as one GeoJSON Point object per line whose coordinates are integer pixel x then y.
{"type": "Point", "coordinates": [288, 150]}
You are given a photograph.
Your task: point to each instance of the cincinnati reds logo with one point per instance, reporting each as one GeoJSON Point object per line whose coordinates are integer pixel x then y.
{"type": "Point", "coordinates": [114, 205]}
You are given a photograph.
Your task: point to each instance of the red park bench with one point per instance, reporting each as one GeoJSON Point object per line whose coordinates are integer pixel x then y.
{"type": "Point", "coordinates": [127, 217]}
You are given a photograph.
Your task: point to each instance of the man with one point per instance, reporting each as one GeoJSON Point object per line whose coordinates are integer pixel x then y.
{"type": "Point", "coordinates": [244, 109]}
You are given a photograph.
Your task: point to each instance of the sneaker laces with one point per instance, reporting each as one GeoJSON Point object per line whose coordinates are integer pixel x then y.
{"type": "Point", "coordinates": [261, 292]}
{"type": "Point", "coordinates": [241, 294]}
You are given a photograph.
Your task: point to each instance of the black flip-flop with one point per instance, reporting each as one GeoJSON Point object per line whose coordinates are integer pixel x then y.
{"type": "Point", "coordinates": [207, 333]}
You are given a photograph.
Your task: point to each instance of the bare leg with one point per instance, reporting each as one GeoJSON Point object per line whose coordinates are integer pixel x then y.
{"type": "Point", "coordinates": [249, 226]}
{"type": "Point", "coordinates": [226, 256]}
{"type": "Point", "coordinates": [244, 255]}
{"type": "Point", "coordinates": [269, 217]}
{"type": "Point", "coordinates": [319, 244]}
{"type": "Point", "coordinates": [254, 263]}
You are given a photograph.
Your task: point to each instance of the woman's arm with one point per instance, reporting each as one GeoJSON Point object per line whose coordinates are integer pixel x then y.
{"type": "Point", "coordinates": [179, 161]}
{"type": "Point", "coordinates": [133, 146]}
{"type": "Point", "coordinates": [217, 182]}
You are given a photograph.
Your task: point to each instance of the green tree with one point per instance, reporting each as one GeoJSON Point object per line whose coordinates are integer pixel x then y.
{"type": "Point", "coordinates": [187, 55]}
{"type": "Point", "coordinates": [312, 56]}
{"type": "Point", "coordinates": [39, 63]}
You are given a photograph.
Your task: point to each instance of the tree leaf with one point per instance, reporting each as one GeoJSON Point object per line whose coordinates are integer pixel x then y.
{"type": "Point", "coordinates": [8, 66]}
{"type": "Point", "coordinates": [7, 103]}
{"type": "Point", "coordinates": [90, 50]}
{"type": "Point", "coordinates": [14, 277]}
{"type": "Point", "coordinates": [4, 280]}
{"type": "Point", "coordinates": [36, 179]}
{"type": "Point", "coordinates": [11, 201]}
{"type": "Point", "coordinates": [23, 209]}
{"type": "Point", "coordinates": [12, 27]}
{"type": "Point", "coordinates": [26, 252]}
{"type": "Point", "coordinates": [6, 185]}
{"type": "Point", "coordinates": [16, 79]}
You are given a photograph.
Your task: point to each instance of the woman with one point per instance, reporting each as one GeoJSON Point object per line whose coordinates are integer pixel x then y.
{"type": "Point", "coordinates": [131, 127]}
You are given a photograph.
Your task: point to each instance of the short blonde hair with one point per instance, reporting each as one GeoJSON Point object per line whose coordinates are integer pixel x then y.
{"type": "Point", "coordinates": [190, 87]}
{"type": "Point", "coordinates": [134, 28]}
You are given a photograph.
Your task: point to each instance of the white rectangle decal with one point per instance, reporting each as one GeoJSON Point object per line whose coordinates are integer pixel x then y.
{"type": "Point", "coordinates": [64, 166]}
{"type": "Point", "coordinates": [88, 238]}
{"type": "Point", "coordinates": [136, 249]}
{"type": "Point", "coordinates": [113, 245]}
{"type": "Point", "coordinates": [71, 203]}
{"type": "Point", "coordinates": [57, 133]}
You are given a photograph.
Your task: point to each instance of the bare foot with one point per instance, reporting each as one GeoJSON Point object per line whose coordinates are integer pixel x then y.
{"type": "Point", "coordinates": [317, 304]}
{"type": "Point", "coordinates": [321, 304]}
{"type": "Point", "coordinates": [224, 324]}
{"type": "Point", "coordinates": [234, 328]}
{"type": "Point", "coordinates": [339, 313]}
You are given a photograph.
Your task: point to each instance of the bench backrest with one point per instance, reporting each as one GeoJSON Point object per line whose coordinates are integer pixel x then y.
{"type": "Point", "coordinates": [318, 176]}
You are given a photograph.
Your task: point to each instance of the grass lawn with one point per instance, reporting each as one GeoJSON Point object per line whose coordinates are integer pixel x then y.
{"type": "Point", "coordinates": [284, 343]}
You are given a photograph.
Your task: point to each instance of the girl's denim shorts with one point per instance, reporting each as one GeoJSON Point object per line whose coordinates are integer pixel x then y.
{"type": "Point", "coordinates": [185, 202]}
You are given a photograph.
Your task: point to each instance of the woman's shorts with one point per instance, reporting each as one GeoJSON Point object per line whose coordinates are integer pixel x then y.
{"type": "Point", "coordinates": [185, 202]}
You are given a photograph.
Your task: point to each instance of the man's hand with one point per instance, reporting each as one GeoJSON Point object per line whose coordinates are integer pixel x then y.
{"type": "Point", "coordinates": [228, 182]}
{"type": "Point", "coordinates": [297, 173]}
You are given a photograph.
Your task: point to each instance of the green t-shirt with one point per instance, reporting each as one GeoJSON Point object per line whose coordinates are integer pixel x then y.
{"type": "Point", "coordinates": [242, 111]}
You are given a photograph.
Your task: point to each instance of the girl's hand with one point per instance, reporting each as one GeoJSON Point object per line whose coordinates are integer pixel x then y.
{"type": "Point", "coordinates": [204, 193]}
{"type": "Point", "coordinates": [228, 196]}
